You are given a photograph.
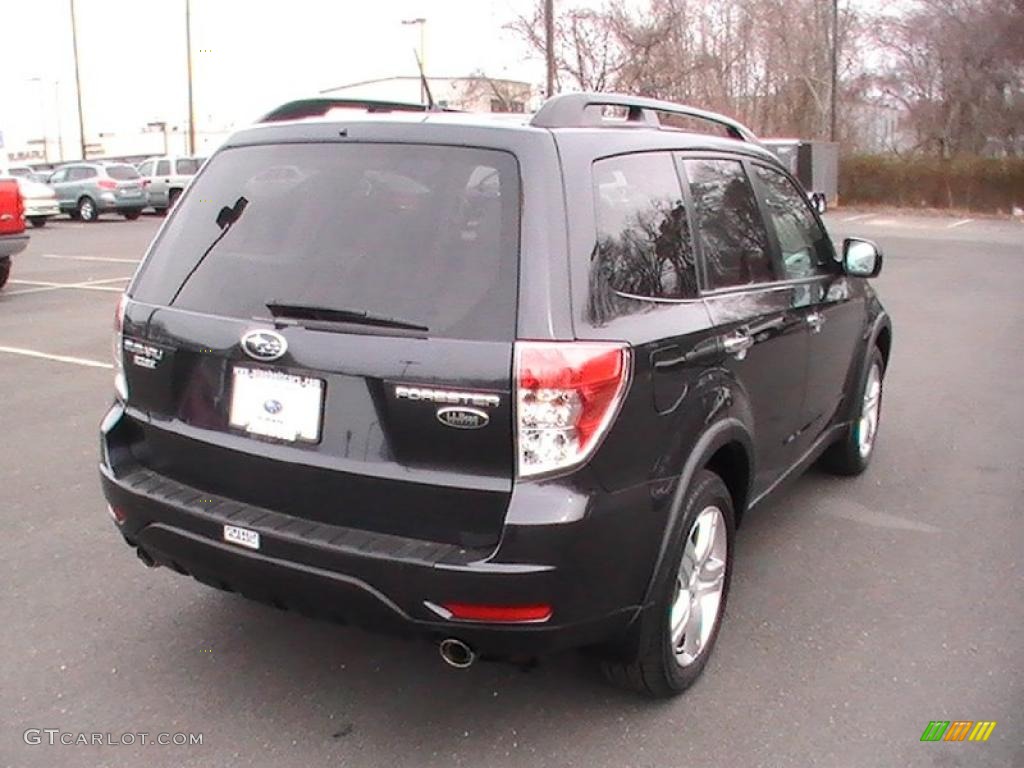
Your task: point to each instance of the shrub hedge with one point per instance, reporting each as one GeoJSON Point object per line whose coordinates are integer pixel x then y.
{"type": "Point", "coordinates": [985, 184]}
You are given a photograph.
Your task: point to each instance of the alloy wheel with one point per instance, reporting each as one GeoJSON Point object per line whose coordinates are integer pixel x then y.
{"type": "Point", "coordinates": [699, 586]}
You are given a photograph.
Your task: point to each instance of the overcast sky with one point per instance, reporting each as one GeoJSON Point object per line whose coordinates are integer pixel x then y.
{"type": "Point", "coordinates": [249, 55]}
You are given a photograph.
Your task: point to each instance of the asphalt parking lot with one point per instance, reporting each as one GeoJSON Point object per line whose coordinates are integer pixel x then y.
{"type": "Point", "coordinates": [861, 609]}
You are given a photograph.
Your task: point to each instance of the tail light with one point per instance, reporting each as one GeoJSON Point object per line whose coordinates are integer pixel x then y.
{"type": "Point", "coordinates": [106, 184]}
{"type": "Point", "coordinates": [120, 382]}
{"type": "Point", "coordinates": [567, 394]}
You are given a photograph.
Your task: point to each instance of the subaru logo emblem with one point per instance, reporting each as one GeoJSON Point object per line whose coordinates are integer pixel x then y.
{"type": "Point", "coordinates": [264, 345]}
{"type": "Point", "coordinates": [463, 418]}
{"type": "Point", "coordinates": [273, 407]}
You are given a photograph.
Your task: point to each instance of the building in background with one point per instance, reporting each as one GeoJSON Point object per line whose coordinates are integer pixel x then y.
{"type": "Point", "coordinates": [474, 93]}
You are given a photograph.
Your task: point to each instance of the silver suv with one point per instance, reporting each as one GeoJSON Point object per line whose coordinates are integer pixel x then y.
{"type": "Point", "coordinates": [164, 179]}
{"type": "Point", "coordinates": [85, 190]}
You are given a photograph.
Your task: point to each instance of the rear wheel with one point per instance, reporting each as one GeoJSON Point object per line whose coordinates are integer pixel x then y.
{"type": "Point", "coordinates": [87, 209]}
{"type": "Point", "coordinates": [172, 198]}
{"type": "Point", "coordinates": [5, 271]}
{"type": "Point", "coordinates": [674, 642]}
{"type": "Point", "coordinates": [851, 454]}
{"type": "Point", "coordinates": [132, 215]}
{"type": "Point", "coordinates": [38, 221]}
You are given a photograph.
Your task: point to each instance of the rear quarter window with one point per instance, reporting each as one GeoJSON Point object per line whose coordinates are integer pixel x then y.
{"type": "Point", "coordinates": [428, 234]}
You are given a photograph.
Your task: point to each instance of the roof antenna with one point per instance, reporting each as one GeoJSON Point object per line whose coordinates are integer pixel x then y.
{"type": "Point", "coordinates": [423, 82]}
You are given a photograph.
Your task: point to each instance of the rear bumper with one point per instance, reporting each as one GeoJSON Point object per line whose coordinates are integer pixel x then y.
{"type": "Point", "coordinates": [387, 582]}
{"type": "Point", "coordinates": [12, 244]}
{"type": "Point", "coordinates": [40, 207]}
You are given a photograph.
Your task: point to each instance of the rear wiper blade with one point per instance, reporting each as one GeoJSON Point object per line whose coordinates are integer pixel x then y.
{"type": "Point", "coordinates": [329, 314]}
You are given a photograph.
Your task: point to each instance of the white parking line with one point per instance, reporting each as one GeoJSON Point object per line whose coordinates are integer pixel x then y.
{"type": "Point", "coordinates": [89, 258]}
{"type": "Point", "coordinates": [859, 216]}
{"type": "Point", "coordinates": [960, 223]}
{"type": "Point", "coordinates": [56, 358]}
{"type": "Point", "coordinates": [40, 286]}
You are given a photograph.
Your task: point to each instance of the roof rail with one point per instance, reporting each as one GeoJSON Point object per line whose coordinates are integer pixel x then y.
{"type": "Point", "coordinates": [572, 110]}
{"type": "Point", "coordinates": [321, 105]}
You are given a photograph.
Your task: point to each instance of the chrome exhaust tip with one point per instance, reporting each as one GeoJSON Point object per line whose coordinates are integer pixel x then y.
{"type": "Point", "coordinates": [456, 653]}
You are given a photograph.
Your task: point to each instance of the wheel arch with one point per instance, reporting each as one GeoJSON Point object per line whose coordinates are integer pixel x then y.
{"type": "Point", "coordinates": [726, 448]}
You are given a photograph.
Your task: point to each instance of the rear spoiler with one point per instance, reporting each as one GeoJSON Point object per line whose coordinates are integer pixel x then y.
{"type": "Point", "coordinates": [319, 106]}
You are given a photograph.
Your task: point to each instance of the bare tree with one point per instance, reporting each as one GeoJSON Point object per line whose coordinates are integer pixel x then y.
{"type": "Point", "coordinates": [956, 67]}
{"type": "Point", "coordinates": [588, 53]}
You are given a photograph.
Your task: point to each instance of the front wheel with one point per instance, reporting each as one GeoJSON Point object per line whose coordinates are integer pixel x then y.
{"type": "Point", "coordinates": [38, 221]}
{"type": "Point", "coordinates": [674, 641]}
{"type": "Point", "coordinates": [851, 453]}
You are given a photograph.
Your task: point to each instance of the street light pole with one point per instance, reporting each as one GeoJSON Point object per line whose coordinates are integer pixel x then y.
{"type": "Point", "coordinates": [188, 59]}
{"type": "Point", "coordinates": [42, 119]}
{"type": "Point", "coordinates": [422, 24]}
{"type": "Point", "coordinates": [78, 80]}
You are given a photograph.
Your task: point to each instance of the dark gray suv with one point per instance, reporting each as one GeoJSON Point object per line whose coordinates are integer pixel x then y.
{"type": "Point", "coordinates": [511, 387]}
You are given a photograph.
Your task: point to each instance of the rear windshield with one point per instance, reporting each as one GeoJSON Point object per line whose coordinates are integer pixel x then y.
{"type": "Point", "coordinates": [424, 234]}
{"type": "Point", "coordinates": [122, 172]}
{"type": "Point", "coordinates": [186, 166]}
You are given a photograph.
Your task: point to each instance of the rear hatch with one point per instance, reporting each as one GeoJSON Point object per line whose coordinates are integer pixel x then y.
{"type": "Point", "coordinates": [127, 182]}
{"type": "Point", "coordinates": [328, 333]}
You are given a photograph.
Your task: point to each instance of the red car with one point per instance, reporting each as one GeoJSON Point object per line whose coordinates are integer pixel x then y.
{"type": "Point", "coordinates": [12, 225]}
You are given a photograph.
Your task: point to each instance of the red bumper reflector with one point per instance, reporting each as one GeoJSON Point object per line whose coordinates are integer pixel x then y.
{"type": "Point", "coordinates": [117, 514]}
{"type": "Point", "coordinates": [499, 613]}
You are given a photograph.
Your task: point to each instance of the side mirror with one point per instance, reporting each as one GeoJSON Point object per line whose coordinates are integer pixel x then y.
{"type": "Point", "coordinates": [861, 258]}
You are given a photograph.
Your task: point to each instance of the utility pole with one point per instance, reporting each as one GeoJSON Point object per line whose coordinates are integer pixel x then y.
{"type": "Point", "coordinates": [835, 68]}
{"type": "Point", "coordinates": [549, 45]}
{"type": "Point", "coordinates": [78, 80]}
{"type": "Point", "coordinates": [188, 62]}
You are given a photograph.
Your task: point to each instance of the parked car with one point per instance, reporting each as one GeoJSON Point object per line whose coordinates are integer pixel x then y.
{"type": "Point", "coordinates": [86, 190]}
{"type": "Point", "coordinates": [508, 386]}
{"type": "Point", "coordinates": [39, 200]}
{"type": "Point", "coordinates": [13, 238]}
{"type": "Point", "coordinates": [165, 178]}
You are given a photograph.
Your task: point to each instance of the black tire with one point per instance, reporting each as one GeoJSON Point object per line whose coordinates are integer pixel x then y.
{"type": "Point", "coordinates": [87, 209]}
{"type": "Point", "coordinates": [160, 211]}
{"type": "Point", "coordinates": [172, 198]}
{"type": "Point", "coordinates": [845, 456]}
{"type": "Point", "coordinates": [5, 271]}
{"type": "Point", "coordinates": [650, 665]}
{"type": "Point", "coordinates": [38, 221]}
{"type": "Point", "coordinates": [132, 215]}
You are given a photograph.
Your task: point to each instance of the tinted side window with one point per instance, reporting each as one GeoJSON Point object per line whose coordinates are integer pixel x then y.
{"type": "Point", "coordinates": [87, 173]}
{"type": "Point", "coordinates": [732, 235]}
{"type": "Point", "coordinates": [186, 166]}
{"type": "Point", "coordinates": [806, 250]}
{"type": "Point", "coordinates": [58, 176]}
{"type": "Point", "coordinates": [643, 244]}
{"type": "Point", "coordinates": [146, 169]}
{"type": "Point", "coordinates": [163, 168]}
